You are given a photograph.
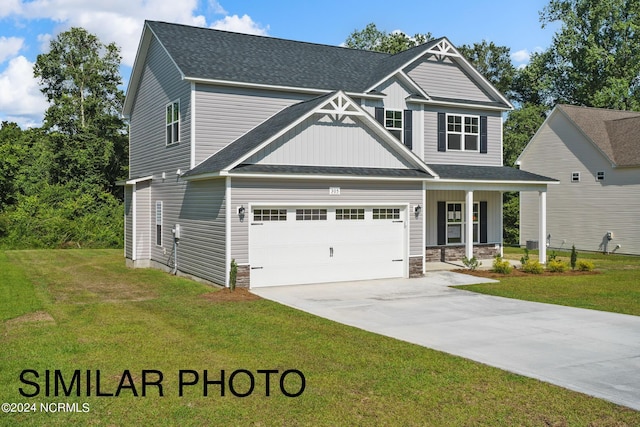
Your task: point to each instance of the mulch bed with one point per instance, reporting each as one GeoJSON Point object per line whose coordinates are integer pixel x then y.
{"type": "Point", "coordinates": [227, 295]}
{"type": "Point", "coordinates": [519, 273]}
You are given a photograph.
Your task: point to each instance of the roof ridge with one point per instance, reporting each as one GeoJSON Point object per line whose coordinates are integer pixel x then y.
{"type": "Point", "coordinates": [274, 38]}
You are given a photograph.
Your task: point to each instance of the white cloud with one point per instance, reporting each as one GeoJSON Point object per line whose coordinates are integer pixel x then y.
{"type": "Point", "coordinates": [521, 56]}
{"type": "Point", "coordinates": [9, 47]}
{"type": "Point", "coordinates": [20, 94]}
{"type": "Point", "coordinates": [216, 8]}
{"type": "Point", "coordinates": [9, 7]}
{"type": "Point", "coordinates": [240, 25]}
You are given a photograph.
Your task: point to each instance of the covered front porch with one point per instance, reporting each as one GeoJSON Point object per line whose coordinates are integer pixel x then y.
{"type": "Point", "coordinates": [463, 209]}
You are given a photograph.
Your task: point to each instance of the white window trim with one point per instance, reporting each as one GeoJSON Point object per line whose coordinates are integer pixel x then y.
{"type": "Point", "coordinates": [575, 176]}
{"type": "Point", "coordinates": [166, 125]}
{"type": "Point", "coordinates": [401, 128]}
{"type": "Point", "coordinates": [462, 223]}
{"type": "Point", "coordinates": [461, 133]}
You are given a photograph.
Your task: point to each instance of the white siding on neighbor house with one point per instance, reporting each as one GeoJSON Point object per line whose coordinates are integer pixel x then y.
{"type": "Point", "coordinates": [160, 84]}
{"type": "Point", "coordinates": [292, 192]}
{"type": "Point", "coordinates": [224, 114]}
{"type": "Point", "coordinates": [582, 212]}
{"type": "Point", "coordinates": [199, 208]}
{"type": "Point", "coordinates": [445, 79]}
{"type": "Point", "coordinates": [493, 156]}
{"type": "Point", "coordinates": [322, 141]}
{"type": "Point", "coordinates": [494, 212]}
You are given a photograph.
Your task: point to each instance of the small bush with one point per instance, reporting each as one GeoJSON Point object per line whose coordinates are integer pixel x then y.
{"type": "Point", "coordinates": [532, 266]}
{"type": "Point", "coordinates": [583, 265]}
{"type": "Point", "coordinates": [501, 266]}
{"type": "Point", "coordinates": [574, 257]}
{"type": "Point", "coordinates": [472, 264]}
{"type": "Point", "coordinates": [233, 273]}
{"type": "Point", "coordinates": [557, 266]}
{"type": "Point", "coordinates": [525, 258]}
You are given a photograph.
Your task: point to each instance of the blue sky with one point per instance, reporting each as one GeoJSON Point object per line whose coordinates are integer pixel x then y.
{"type": "Point", "coordinates": [27, 26]}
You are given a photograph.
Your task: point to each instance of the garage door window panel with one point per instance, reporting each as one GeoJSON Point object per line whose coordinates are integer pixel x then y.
{"type": "Point", "coordinates": [311, 214]}
{"type": "Point", "coordinates": [270, 215]}
{"type": "Point", "coordinates": [349, 214]}
{"type": "Point", "coordinates": [386, 213]}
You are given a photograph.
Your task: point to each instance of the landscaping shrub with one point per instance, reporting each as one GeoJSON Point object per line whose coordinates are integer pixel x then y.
{"type": "Point", "coordinates": [532, 266]}
{"type": "Point", "coordinates": [501, 266]}
{"type": "Point", "coordinates": [472, 264]}
{"type": "Point", "coordinates": [574, 257]}
{"type": "Point", "coordinates": [583, 265]}
{"type": "Point", "coordinates": [557, 266]}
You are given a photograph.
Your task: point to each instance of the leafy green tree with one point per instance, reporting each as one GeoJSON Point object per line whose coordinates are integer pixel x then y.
{"type": "Point", "coordinates": [371, 38]}
{"type": "Point", "coordinates": [519, 127]}
{"type": "Point", "coordinates": [595, 56]}
{"type": "Point", "coordinates": [493, 62]}
{"type": "Point", "coordinates": [12, 155]}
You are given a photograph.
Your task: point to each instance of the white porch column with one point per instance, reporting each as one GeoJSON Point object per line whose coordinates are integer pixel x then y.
{"type": "Point", "coordinates": [542, 239]}
{"type": "Point", "coordinates": [469, 224]}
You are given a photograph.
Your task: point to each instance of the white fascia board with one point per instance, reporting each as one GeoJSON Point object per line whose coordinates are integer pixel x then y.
{"type": "Point", "coordinates": [408, 80]}
{"type": "Point", "coordinates": [459, 105]}
{"type": "Point", "coordinates": [136, 180]}
{"type": "Point", "coordinates": [211, 175]}
{"type": "Point", "coordinates": [329, 177]}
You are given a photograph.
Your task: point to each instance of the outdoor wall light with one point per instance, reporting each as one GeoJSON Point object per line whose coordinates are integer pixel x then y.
{"type": "Point", "coordinates": [417, 210]}
{"type": "Point", "coordinates": [241, 211]}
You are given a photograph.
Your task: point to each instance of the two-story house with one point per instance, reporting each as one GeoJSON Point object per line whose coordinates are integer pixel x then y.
{"type": "Point", "coordinates": [594, 153]}
{"type": "Point", "coordinates": [309, 163]}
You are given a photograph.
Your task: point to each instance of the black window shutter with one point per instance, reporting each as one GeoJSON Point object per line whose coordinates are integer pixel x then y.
{"type": "Point", "coordinates": [380, 115]}
{"type": "Point", "coordinates": [483, 222]}
{"type": "Point", "coordinates": [442, 132]}
{"type": "Point", "coordinates": [483, 134]}
{"type": "Point", "coordinates": [442, 223]}
{"type": "Point", "coordinates": [408, 129]}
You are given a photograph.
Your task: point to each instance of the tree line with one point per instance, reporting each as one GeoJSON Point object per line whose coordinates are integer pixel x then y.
{"type": "Point", "coordinates": [57, 182]}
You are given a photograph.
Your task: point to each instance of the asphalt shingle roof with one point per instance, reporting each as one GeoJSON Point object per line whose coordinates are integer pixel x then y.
{"type": "Point", "coordinates": [332, 170]}
{"type": "Point", "coordinates": [615, 132]}
{"type": "Point", "coordinates": [252, 139]}
{"type": "Point", "coordinates": [222, 55]}
{"type": "Point", "coordinates": [486, 173]}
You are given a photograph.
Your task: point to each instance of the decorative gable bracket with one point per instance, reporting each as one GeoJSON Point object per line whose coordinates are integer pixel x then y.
{"type": "Point", "coordinates": [339, 106]}
{"type": "Point", "coordinates": [443, 49]}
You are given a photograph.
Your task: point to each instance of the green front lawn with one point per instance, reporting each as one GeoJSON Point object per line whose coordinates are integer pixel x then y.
{"type": "Point", "coordinates": [91, 313]}
{"type": "Point", "coordinates": [615, 288]}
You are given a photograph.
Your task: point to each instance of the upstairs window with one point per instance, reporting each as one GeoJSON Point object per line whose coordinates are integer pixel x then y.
{"type": "Point", "coordinates": [575, 176]}
{"type": "Point", "coordinates": [600, 176]}
{"type": "Point", "coordinates": [463, 132]}
{"type": "Point", "coordinates": [393, 122]}
{"type": "Point", "coordinates": [173, 122]}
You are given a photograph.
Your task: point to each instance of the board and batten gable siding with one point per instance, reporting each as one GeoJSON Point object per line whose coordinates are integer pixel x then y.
{"type": "Point", "coordinates": [321, 141]}
{"type": "Point", "coordinates": [291, 192]}
{"type": "Point", "coordinates": [580, 213]}
{"type": "Point", "coordinates": [223, 114]}
{"type": "Point", "coordinates": [160, 84]}
{"type": "Point", "coordinates": [199, 208]}
{"type": "Point", "coordinates": [494, 212]}
{"type": "Point", "coordinates": [445, 79]}
{"type": "Point", "coordinates": [493, 156]}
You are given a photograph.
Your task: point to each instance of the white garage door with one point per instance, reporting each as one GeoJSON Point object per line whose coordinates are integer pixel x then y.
{"type": "Point", "coordinates": [299, 245]}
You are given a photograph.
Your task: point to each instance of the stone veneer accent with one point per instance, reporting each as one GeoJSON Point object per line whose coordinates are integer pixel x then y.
{"type": "Point", "coordinates": [415, 267]}
{"type": "Point", "coordinates": [243, 278]}
{"type": "Point", "coordinates": [456, 253]}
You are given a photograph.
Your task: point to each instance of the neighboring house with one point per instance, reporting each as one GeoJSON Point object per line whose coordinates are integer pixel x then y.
{"type": "Point", "coordinates": [308, 163]}
{"type": "Point", "coordinates": [595, 155]}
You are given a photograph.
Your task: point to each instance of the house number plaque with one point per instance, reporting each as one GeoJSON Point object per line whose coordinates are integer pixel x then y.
{"type": "Point", "coordinates": [334, 191]}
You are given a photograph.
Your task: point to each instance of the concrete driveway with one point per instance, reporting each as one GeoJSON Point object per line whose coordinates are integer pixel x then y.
{"type": "Point", "coordinates": [589, 351]}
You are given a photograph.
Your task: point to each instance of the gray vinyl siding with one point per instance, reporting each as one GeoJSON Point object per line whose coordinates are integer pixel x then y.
{"type": "Point", "coordinates": [160, 84]}
{"type": "Point", "coordinates": [395, 94]}
{"type": "Point", "coordinates": [321, 141]}
{"type": "Point", "coordinates": [128, 221]}
{"type": "Point", "coordinates": [225, 113]}
{"type": "Point", "coordinates": [144, 237]}
{"type": "Point", "coordinates": [580, 213]}
{"type": "Point", "coordinates": [290, 192]}
{"type": "Point", "coordinates": [199, 208]}
{"type": "Point", "coordinates": [494, 212]}
{"type": "Point", "coordinates": [445, 79]}
{"type": "Point", "coordinates": [493, 156]}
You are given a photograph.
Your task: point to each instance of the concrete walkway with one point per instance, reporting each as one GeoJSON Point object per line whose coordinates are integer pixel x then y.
{"type": "Point", "coordinates": [589, 351]}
